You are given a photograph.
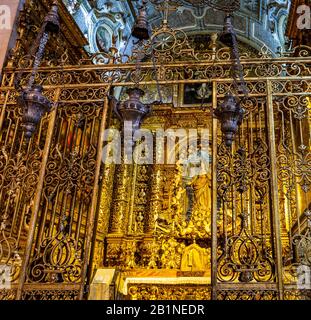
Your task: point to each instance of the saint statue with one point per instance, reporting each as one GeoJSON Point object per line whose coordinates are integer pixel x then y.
{"type": "Point", "coordinates": [197, 177]}
{"type": "Point", "coordinates": [190, 207]}
{"type": "Point", "coordinates": [201, 185]}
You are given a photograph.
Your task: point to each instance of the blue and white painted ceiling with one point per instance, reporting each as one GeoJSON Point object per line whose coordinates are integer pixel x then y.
{"type": "Point", "coordinates": [258, 22]}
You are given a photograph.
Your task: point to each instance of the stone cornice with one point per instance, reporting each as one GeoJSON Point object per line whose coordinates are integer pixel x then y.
{"type": "Point", "coordinates": [72, 32]}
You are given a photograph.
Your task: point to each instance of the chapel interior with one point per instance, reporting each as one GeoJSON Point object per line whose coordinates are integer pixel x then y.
{"type": "Point", "coordinates": [207, 197]}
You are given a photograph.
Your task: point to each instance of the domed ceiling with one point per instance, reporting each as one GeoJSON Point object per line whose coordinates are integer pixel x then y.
{"type": "Point", "coordinates": [257, 22]}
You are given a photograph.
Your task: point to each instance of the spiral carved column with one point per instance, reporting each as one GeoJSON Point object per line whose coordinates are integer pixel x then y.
{"type": "Point", "coordinates": [155, 190]}
{"type": "Point", "coordinates": [155, 199]}
{"type": "Point", "coordinates": [121, 199]}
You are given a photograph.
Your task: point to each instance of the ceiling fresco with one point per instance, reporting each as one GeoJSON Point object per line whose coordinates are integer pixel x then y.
{"type": "Point", "coordinates": [257, 23]}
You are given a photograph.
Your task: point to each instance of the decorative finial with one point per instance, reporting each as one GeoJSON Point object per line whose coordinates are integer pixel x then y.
{"type": "Point", "coordinates": [141, 27]}
{"type": "Point", "coordinates": [230, 114]}
{"type": "Point", "coordinates": [51, 21]}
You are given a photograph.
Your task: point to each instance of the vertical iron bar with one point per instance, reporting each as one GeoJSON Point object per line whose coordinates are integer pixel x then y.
{"type": "Point", "coordinates": [91, 219]}
{"type": "Point", "coordinates": [5, 102]}
{"type": "Point", "coordinates": [274, 189]}
{"type": "Point", "coordinates": [214, 199]}
{"type": "Point", "coordinates": [3, 109]}
{"type": "Point", "coordinates": [37, 198]}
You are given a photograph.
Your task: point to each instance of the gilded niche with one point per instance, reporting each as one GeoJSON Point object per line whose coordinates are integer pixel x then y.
{"type": "Point", "coordinates": [189, 215]}
{"type": "Point", "coordinates": [175, 228]}
{"type": "Point", "coordinates": [187, 221]}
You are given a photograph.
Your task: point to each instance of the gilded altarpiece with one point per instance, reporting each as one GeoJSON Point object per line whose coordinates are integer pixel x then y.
{"type": "Point", "coordinates": [240, 229]}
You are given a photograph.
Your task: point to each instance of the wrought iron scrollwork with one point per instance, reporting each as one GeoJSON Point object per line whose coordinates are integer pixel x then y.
{"type": "Point", "coordinates": [245, 258]}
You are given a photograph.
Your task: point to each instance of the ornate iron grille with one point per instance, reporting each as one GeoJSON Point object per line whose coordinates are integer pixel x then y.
{"type": "Point", "coordinates": [60, 215]}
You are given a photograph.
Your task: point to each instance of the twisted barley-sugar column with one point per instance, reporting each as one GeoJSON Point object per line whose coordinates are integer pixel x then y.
{"type": "Point", "coordinates": [106, 200]}
{"type": "Point", "coordinates": [121, 198]}
{"type": "Point", "coordinates": [155, 189]}
{"type": "Point", "coordinates": [155, 197]}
